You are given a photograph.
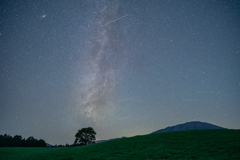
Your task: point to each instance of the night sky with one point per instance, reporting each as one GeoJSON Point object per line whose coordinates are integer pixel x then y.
{"type": "Point", "coordinates": [124, 68]}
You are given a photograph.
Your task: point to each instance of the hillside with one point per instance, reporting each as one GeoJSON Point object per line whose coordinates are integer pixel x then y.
{"type": "Point", "coordinates": [195, 125]}
{"type": "Point", "coordinates": [100, 141]}
{"type": "Point", "coordinates": [196, 144]}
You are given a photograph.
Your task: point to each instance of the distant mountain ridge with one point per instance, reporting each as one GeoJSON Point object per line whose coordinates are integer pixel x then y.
{"type": "Point", "coordinates": [194, 125]}
{"type": "Point", "coordinates": [48, 145]}
{"type": "Point", "coordinates": [100, 141]}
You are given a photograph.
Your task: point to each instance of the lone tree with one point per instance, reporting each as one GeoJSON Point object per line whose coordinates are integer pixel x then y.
{"type": "Point", "coordinates": [85, 136]}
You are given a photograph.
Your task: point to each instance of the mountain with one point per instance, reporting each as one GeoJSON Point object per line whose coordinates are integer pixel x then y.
{"type": "Point", "coordinates": [100, 141]}
{"type": "Point", "coordinates": [48, 145]}
{"type": "Point", "coordinates": [195, 125]}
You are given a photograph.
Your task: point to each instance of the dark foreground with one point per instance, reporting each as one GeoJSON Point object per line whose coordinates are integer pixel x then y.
{"type": "Point", "coordinates": [198, 144]}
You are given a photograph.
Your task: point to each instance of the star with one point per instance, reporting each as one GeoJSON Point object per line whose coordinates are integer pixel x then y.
{"type": "Point", "coordinates": [43, 16]}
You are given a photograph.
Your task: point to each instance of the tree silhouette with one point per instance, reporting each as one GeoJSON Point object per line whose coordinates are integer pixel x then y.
{"type": "Point", "coordinates": [17, 141]}
{"type": "Point", "coordinates": [85, 136]}
{"type": "Point", "coordinates": [6, 140]}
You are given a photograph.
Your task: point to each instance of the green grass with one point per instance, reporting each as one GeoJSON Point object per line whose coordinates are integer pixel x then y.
{"type": "Point", "coordinates": [198, 144]}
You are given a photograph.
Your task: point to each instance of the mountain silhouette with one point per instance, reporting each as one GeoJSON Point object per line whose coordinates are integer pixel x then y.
{"type": "Point", "coordinates": [100, 141]}
{"type": "Point", "coordinates": [195, 125]}
{"type": "Point", "coordinates": [48, 145]}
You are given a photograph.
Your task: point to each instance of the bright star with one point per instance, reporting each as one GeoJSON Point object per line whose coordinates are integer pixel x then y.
{"type": "Point", "coordinates": [43, 16]}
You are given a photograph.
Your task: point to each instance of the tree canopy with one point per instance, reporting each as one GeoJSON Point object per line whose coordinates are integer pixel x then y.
{"type": "Point", "coordinates": [85, 136]}
{"type": "Point", "coordinates": [18, 141]}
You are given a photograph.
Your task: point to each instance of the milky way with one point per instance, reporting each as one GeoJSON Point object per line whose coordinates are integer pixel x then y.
{"type": "Point", "coordinates": [125, 68]}
{"type": "Point", "coordinates": [103, 63]}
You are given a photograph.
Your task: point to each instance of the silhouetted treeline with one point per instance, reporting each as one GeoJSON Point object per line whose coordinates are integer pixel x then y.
{"type": "Point", "coordinates": [18, 141]}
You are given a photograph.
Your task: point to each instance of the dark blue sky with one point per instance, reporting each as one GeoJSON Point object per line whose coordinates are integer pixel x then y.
{"type": "Point", "coordinates": [121, 67]}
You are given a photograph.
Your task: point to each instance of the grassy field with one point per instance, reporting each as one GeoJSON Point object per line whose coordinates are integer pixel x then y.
{"type": "Point", "coordinates": [198, 144]}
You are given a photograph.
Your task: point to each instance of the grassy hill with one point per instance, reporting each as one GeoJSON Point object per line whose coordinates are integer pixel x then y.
{"type": "Point", "coordinates": [197, 144]}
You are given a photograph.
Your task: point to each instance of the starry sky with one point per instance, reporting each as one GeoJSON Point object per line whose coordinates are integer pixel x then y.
{"type": "Point", "coordinates": [125, 68]}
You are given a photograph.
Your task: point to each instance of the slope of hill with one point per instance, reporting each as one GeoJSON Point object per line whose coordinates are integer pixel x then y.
{"type": "Point", "coordinates": [195, 144]}
{"type": "Point", "coordinates": [100, 141]}
{"type": "Point", "coordinates": [195, 125]}
{"type": "Point", "coordinates": [48, 145]}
